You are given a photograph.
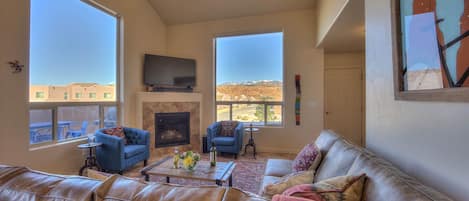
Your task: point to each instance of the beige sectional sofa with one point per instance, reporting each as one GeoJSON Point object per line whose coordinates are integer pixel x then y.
{"type": "Point", "coordinates": [385, 182]}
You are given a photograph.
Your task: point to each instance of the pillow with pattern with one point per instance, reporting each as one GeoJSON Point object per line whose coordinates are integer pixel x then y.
{"type": "Point", "coordinates": [117, 131]}
{"type": "Point", "coordinates": [227, 128]}
{"type": "Point", "coordinates": [94, 174]}
{"type": "Point", "coordinates": [308, 158]}
{"type": "Point", "coordinates": [342, 188]}
{"type": "Point", "coordinates": [287, 181]}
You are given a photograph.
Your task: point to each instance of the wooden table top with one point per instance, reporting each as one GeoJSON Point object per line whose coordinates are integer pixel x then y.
{"type": "Point", "coordinates": [89, 145]}
{"type": "Point", "coordinates": [202, 171]}
{"type": "Point", "coordinates": [251, 129]}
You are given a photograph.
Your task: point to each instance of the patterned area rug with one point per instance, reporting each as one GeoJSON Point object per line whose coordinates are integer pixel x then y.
{"type": "Point", "coordinates": [247, 175]}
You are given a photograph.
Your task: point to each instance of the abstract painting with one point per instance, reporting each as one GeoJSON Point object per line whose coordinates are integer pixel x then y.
{"type": "Point", "coordinates": [435, 44]}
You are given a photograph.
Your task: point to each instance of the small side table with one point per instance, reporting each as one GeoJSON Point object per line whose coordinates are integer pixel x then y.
{"type": "Point", "coordinates": [251, 142]}
{"type": "Point", "coordinates": [90, 161]}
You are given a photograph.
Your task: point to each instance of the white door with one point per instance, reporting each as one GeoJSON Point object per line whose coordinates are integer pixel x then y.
{"type": "Point", "coordinates": [343, 103]}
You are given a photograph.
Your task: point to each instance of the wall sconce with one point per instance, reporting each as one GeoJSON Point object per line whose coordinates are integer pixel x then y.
{"type": "Point", "coordinates": [15, 66]}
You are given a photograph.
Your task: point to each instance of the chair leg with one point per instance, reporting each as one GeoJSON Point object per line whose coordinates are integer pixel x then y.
{"type": "Point", "coordinates": [145, 163]}
{"type": "Point", "coordinates": [236, 156]}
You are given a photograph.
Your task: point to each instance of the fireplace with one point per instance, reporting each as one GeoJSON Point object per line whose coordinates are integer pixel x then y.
{"type": "Point", "coordinates": [172, 129]}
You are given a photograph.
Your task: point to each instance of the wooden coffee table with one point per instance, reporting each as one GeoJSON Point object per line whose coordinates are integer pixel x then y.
{"type": "Point", "coordinates": [219, 174]}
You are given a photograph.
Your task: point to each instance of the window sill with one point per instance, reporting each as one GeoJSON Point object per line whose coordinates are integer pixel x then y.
{"type": "Point", "coordinates": [52, 145]}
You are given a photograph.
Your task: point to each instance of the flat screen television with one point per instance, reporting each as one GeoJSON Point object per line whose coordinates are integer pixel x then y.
{"type": "Point", "coordinates": [164, 71]}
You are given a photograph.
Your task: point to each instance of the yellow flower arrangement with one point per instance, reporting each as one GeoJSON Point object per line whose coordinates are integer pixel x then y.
{"type": "Point", "coordinates": [189, 160]}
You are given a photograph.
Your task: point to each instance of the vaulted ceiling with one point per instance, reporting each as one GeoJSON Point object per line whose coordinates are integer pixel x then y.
{"type": "Point", "coordinates": [347, 34]}
{"type": "Point", "coordinates": [190, 11]}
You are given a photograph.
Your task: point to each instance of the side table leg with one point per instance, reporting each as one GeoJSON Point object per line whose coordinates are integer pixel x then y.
{"type": "Point", "coordinates": [245, 149]}
{"type": "Point", "coordinates": [254, 146]}
{"type": "Point", "coordinates": [81, 170]}
{"type": "Point", "coordinates": [167, 180]}
{"type": "Point", "coordinates": [230, 181]}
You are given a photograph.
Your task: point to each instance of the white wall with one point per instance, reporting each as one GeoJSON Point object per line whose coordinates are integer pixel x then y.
{"type": "Point", "coordinates": [301, 57]}
{"type": "Point", "coordinates": [144, 32]}
{"type": "Point", "coordinates": [328, 11]}
{"type": "Point", "coordinates": [428, 140]}
{"type": "Point", "coordinates": [338, 60]}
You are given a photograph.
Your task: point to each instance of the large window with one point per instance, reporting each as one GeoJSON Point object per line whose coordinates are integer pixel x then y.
{"type": "Point", "coordinates": [249, 78]}
{"type": "Point", "coordinates": [73, 69]}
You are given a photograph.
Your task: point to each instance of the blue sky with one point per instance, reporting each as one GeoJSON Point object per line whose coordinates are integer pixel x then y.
{"type": "Point", "coordinates": [249, 58]}
{"type": "Point", "coordinates": [71, 41]}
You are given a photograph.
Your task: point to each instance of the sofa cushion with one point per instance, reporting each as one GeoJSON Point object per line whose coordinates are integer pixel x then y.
{"type": "Point", "coordinates": [385, 182]}
{"type": "Point", "coordinates": [73, 188]}
{"type": "Point", "coordinates": [133, 150]}
{"type": "Point", "coordinates": [98, 175]}
{"type": "Point", "coordinates": [117, 131]}
{"type": "Point", "coordinates": [342, 188]}
{"type": "Point", "coordinates": [337, 161]}
{"type": "Point", "coordinates": [19, 183]}
{"type": "Point", "coordinates": [122, 188]}
{"type": "Point", "coordinates": [227, 128]}
{"type": "Point", "coordinates": [266, 181]}
{"type": "Point", "coordinates": [307, 159]}
{"type": "Point", "coordinates": [325, 141]}
{"type": "Point", "coordinates": [224, 141]}
{"type": "Point", "coordinates": [278, 167]}
{"type": "Point", "coordinates": [287, 181]}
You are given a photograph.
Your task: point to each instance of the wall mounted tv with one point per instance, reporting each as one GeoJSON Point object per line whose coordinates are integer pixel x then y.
{"type": "Point", "coordinates": [168, 72]}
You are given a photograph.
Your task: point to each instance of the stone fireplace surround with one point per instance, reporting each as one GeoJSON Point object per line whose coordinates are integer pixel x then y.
{"type": "Point", "coordinates": [149, 103]}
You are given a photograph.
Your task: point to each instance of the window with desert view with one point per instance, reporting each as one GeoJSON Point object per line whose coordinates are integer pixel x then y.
{"type": "Point", "coordinates": [249, 78]}
{"type": "Point", "coordinates": [73, 65]}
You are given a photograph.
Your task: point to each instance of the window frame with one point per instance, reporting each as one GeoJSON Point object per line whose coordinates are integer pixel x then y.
{"type": "Point", "coordinates": [101, 104]}
{"type": "Point", "coordinates": [265, 124]}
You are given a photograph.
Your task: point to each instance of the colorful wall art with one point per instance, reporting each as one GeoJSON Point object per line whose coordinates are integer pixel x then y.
{"type": "Point", "coordinates": [298, 100]}
{"type": "Point", "coordinates": [435, 44]}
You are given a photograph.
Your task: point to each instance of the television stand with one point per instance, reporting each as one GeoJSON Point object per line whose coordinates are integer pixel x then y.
{"type": "Point", "coordinates": [175, 89]}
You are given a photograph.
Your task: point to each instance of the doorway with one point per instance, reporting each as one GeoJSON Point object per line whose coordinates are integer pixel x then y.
{"type": "Point", "coordinates": [344, 96]}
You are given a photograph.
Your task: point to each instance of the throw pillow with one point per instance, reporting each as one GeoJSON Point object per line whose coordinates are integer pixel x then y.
{"type": "Point", "coordinates": [308, 158]}
{"type": "Point", "coordinates": [287, 181]}
{"type": "Point", "coordinates": [228, 128]}
{"type": "Point", "coordinates": [117, 131]}
{"type": "Point", "coordinates": [93, 174]}
{"type": "Point", "coordinates": [342, 188]}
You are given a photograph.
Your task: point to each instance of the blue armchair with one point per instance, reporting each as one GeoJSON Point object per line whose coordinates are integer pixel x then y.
{"type": "Point", "coordinates": [116, 156]}
{"type": "Point", "coordinates": [225, 144]}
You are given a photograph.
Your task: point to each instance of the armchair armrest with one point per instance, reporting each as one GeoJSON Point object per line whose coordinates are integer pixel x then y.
{"type": "Point", "coordinates": [137, 136]}
{"type": "Point", "coordinates": [110, 155]}
{"type": "Point", "coordinates": [211, 133]}
{"type": "Point", "coordinates": [238, 134]}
